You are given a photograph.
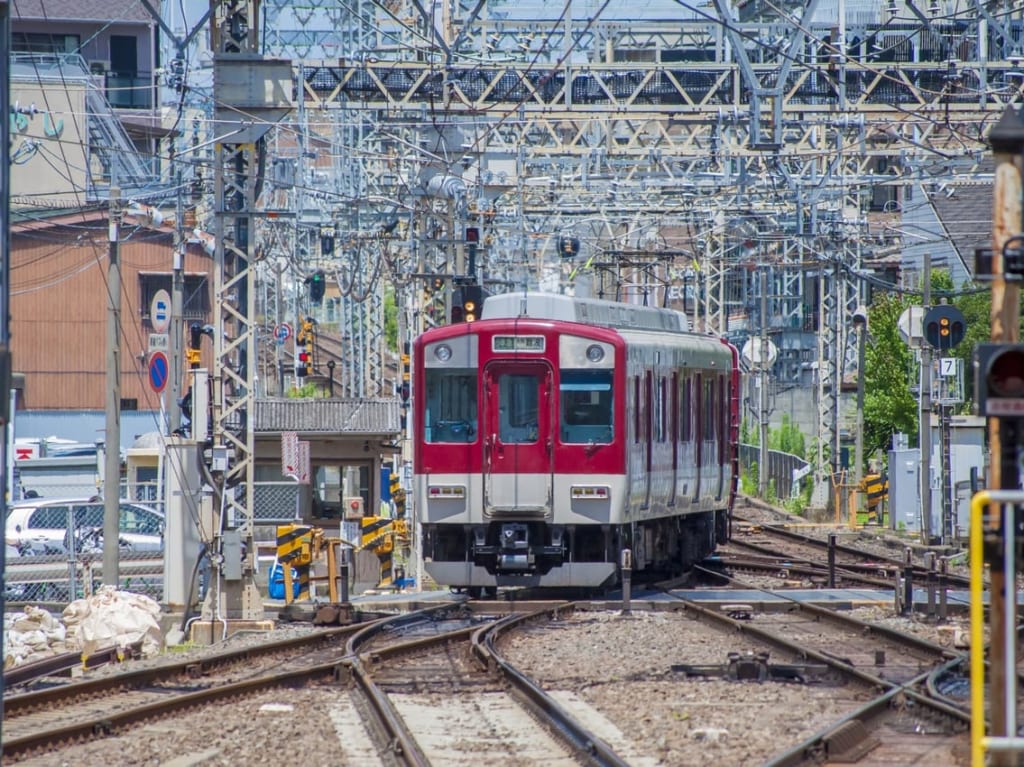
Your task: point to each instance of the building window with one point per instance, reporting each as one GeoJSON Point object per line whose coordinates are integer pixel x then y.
{"type": "Point", "coordinates": [195, 303]}
{"type": "Point", "coordinates": [37, 42]}
{"type": "Point", "coordinates": [129, 404]}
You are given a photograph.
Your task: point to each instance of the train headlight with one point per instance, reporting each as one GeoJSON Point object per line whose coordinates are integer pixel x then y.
{"type": "Point", "coordinates": [443, 352]}
{"type": "Point", "coordinates": [595, 353]}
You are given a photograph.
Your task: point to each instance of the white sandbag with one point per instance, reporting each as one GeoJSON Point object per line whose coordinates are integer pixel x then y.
{"type": "Point", "coordinates": [113, 618]}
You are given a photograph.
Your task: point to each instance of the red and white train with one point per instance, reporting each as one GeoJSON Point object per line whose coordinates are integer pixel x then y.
{"type": "Point", "coordinates": [554, 432]}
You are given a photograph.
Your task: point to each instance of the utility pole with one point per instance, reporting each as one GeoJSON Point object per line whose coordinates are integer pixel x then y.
{"type": "Point", "coordinates": [925, 422]}
{"type": "Point", "coordinates": [762, 414]}
{"type": "Point", "coordinates": [112, 436]}
{"type": "Point", "coordinates": [5, 291]}
{"type": "Point", "coordinates": [1004, 438]}
{"type": "Point", "coordinates": [177, 300]}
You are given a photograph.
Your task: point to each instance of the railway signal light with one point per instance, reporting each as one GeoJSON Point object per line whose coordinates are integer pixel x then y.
{"type": "Point", "coordinates": [317, 283]}
{"type": "Point", "coordinates": [327, 241]}
{"type": "Point", "coordinates": [568, 247]}
{"type": "Point", "coordinates": [999, 380]}
{"type": "Point", "coordinates": [944, 327]}
{"type": "Point", "coordinates": [304, 343]}
{"type": "Point", "coordinates": [472, 243]}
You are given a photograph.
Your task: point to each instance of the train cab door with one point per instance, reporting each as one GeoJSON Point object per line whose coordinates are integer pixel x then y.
{"type": "Point", "coordinates": [519, 423]}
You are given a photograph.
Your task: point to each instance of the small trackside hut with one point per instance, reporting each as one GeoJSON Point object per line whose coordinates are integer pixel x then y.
{"type": "Point", "coordinates": [554, 432]}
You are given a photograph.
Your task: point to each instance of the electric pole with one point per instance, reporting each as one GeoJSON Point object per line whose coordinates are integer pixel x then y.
{"type": "Point", "coordinates": [5, 291]}
{"type": "Point", "coordinates": [1007, 140]}
{"type": "Point", "coordinates": [177, 301]}
{"type": "Point", "coordinates": [112, 436]}
{"type": "Point", "coordinates": [925, 422]}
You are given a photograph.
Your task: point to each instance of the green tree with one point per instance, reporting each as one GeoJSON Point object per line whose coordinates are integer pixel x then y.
{"type": "Point", "coordinates": [889, 370]}
{"type": "Point", "coordinates": [390, 319]}
{"type": "Point", "coordinates": [788, 438]}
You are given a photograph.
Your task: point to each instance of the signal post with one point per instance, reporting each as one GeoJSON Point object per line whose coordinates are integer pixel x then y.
{"type": "Point", "coordinates": [1000, 381]}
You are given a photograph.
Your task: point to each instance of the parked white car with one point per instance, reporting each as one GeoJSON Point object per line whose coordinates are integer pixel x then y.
{"type": "Point", "coordinates": [40, 526]}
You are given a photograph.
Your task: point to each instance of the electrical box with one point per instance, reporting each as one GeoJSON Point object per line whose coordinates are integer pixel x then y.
{"type": "Point", "coordinates": [353, 507]}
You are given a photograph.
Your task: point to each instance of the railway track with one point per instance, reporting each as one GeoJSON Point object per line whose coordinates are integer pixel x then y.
{"type": "Point", "coordinates": [435, 707]}
{"type": "Point", "coordinates": [742, 690]}
{"type": "Point", "coordinates": [412, 688]}
{"type": "Point", "coordinates": [45, 718]}
{"type": "Point", "coordinates": [756, 537]}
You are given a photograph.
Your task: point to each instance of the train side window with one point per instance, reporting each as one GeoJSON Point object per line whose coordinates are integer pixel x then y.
{"type": "Point", "coordinates": [585, 406]}
{"type": "Point", "coordinates": [709, 410]}
{"type": "Point", "coordinates": [674, 409]}
{"type": "Point", "coordinates": [636, 410]}
{"type": "Point", "coordinates": [450, 410]}
{"type": "Point", "coordinates": [662, 410]}
{"type": "Point", "coordinates": [685, 411]}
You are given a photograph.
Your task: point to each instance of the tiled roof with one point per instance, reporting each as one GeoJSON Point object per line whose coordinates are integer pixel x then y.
{"type": "Point", "coordinates": [320, 416]}
{"type": "Point", "coordinates": [82, 10]}
{"type": "Point", "coordinates": [966, 215]}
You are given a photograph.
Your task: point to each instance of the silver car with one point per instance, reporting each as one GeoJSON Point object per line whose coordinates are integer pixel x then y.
{"type": "Point", "coordinates": [40, 526]}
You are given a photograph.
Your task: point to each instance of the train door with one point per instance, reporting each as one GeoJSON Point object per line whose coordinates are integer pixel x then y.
{"type": "Point", "coordinates": [696, 406]}
{"type": "Point", "coordinates": [722, 427]}
{"type": "Point", "coordinates": [518, 417]}
{"type": "Point", "coordinates": [648, 416]}
{"type": "Point", "coordinates": [674, 435]}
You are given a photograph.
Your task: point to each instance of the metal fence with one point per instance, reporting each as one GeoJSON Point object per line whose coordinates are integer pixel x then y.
{"type": "Point", "coordinates": [784, 470]}
{"type": "Point", "coordinates": [62, 578]}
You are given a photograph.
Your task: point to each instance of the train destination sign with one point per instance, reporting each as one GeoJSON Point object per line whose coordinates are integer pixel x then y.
{"type": "Point", "coordinates": [517, 344]}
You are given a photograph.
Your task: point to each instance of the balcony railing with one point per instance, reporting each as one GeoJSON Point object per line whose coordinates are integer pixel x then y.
{"type": "Point", "coordinates": [129, 91]}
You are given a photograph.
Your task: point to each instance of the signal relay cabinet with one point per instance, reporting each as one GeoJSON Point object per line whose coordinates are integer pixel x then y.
{"type": "Point", "coordinates": [967, 453]}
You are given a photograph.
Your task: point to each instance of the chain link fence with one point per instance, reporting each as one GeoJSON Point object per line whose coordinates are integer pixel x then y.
{"type": "Point", "coordinates": [46, 564]}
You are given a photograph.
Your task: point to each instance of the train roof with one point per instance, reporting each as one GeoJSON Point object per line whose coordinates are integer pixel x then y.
{"type": "Point", "coordinates": [589, 311]}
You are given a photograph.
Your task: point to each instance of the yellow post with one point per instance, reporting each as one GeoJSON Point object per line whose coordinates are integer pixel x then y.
{"type": "Point", "coordinates": [1005, 748]}
{"type": "Point", "coordinates": [979, 503]}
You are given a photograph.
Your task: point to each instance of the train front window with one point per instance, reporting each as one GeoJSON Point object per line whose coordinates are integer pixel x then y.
{"type": "Point", "coordinates": [450, 411]}
{"type": "Point", "coordinates": [518, 404]}
{"type": "Point", "coordinates": [585, 400]}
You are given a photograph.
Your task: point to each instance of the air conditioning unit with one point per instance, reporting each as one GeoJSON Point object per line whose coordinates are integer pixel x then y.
{"type": "Point", "coordinates": [98, 67]}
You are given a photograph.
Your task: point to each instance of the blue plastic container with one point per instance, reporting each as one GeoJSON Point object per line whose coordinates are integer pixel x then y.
{"type": "Point", "coordinates": [275, 583]}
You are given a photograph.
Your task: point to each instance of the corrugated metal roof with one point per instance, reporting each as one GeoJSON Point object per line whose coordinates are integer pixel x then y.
{"type": "Point", "coordinates": [320, 416]}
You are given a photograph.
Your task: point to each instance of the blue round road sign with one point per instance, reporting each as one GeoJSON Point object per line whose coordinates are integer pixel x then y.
{"type": "Point", "coordinates": [158, 371]}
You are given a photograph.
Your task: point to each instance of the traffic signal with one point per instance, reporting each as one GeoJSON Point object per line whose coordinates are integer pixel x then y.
{"type": "Point", "coordinates": [317, 283]}
{"type": "Point", "coordinates": [999, 379]}
{"type": "Point", "coordinates": [304, 347]}
{"type": "Point", "coordinates": [944, 327]}
{"type": "Point", "coordinates": [472, 243]}
{"type": "Point", "coordinates": [568, 247]}
{"type": "Point", "coordinates": [469, 309]}
{"type": "Point", "coordinates": [327, 241]}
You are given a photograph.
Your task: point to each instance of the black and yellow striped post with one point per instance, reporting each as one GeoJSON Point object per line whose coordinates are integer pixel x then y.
{"type": "Point", "coordinates": [378, 537]}
{"type": "Point", "coordinates": [877, 488]}
{"type": "Point", "coordinates": [295, 550]}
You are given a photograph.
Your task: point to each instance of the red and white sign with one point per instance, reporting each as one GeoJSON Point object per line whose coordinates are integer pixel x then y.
{"type": "Point", "coordinates": [25, 452]}
{"type": "Point", "coordinates": [294, 457]}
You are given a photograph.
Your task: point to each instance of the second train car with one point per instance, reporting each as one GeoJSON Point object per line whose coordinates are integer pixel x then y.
{"type": "Point", "coordinates": [555, 432]}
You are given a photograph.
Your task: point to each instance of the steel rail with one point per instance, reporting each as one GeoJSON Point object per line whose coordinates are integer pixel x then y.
{"type": "Point", "coordinates": [66, 661]}
{"type": "Point", "coordinates": [571, 731]}
{"type": "Point", "coordinates": [23, 703]}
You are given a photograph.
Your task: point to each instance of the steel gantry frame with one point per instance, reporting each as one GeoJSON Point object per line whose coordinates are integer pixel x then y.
{"type": "Point", "coordinates": [251, 93]}
{"type": "Point", "coordinates": [613, 127]}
